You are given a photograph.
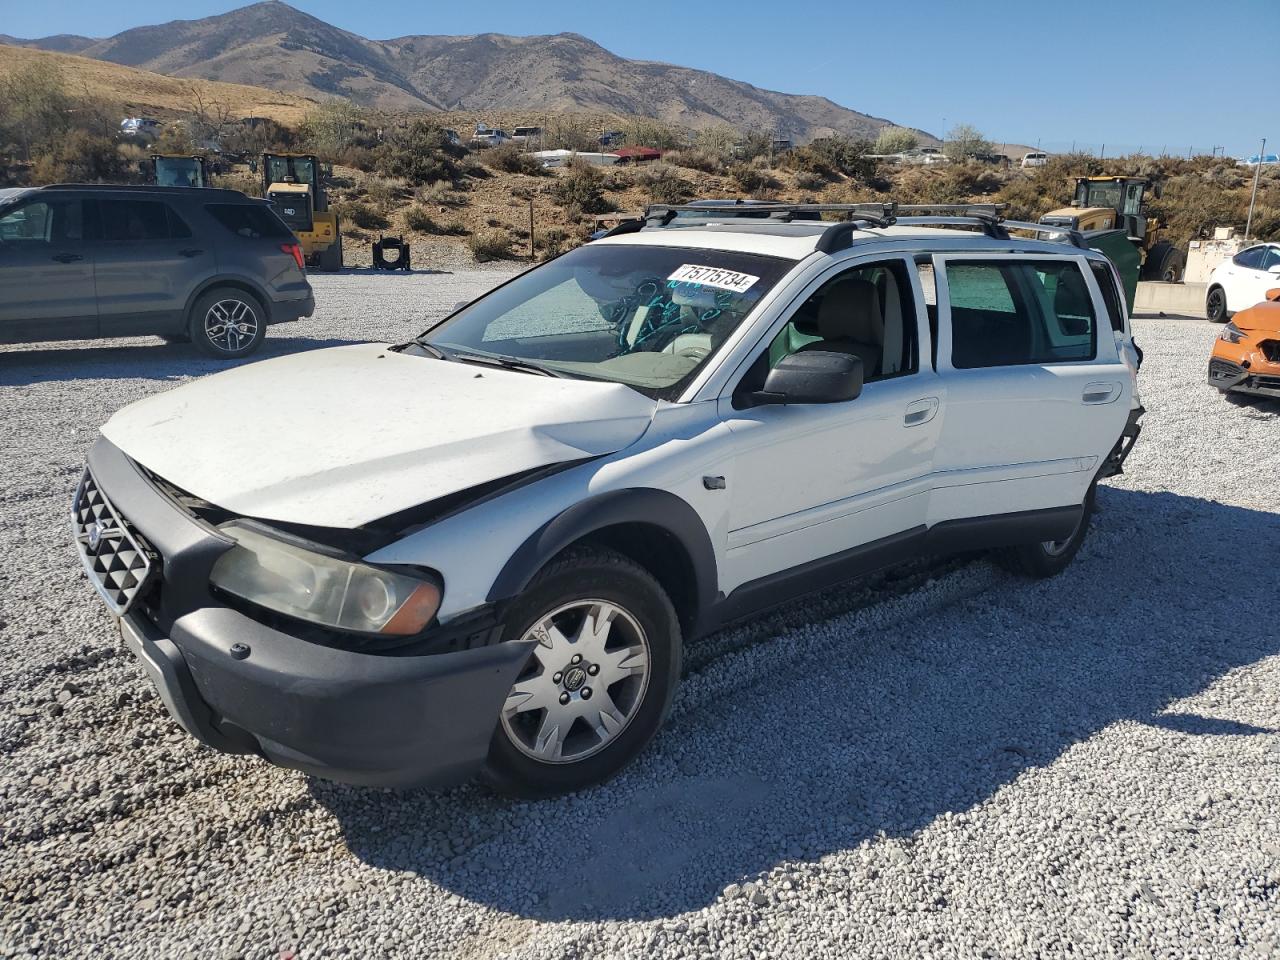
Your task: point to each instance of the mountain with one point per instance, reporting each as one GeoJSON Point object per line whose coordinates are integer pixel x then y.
{"type": "Point", "coordinates": [271, 44]}
{"type": "Point", "coordinates": [142, 93]}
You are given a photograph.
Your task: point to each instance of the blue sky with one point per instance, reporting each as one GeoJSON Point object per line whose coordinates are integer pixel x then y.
{"type": "Point", "coordinates": [1177, 82]}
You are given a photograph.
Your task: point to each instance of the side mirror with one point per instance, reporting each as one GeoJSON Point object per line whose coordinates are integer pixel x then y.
{"type": "Point", "coordinates": [812, 376]}
{"type": "Point", "coordinates": [1274, 268]}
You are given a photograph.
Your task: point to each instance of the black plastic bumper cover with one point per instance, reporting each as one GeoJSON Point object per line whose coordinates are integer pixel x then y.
{"type": "Point", "coordinates": [286, 311]}
{"type": "Point", "coordinates": [377, 719]}
{"type": "Point", "coordinates": [356, 717]}
{"type": "Point", "coordinates": [1229, 376]}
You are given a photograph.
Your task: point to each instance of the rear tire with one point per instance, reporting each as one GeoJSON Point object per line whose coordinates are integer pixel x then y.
{"type": "Point", "coordinates": [227, 323]}
{"type": "Point", "coordinates": [1049, 558]}
{"type": "Point", "coordinates": [1165, 263]}
{"type": "Point", "coordinates": [570, 723]}
{"type": "Point", "coordinates": [1215, 305]}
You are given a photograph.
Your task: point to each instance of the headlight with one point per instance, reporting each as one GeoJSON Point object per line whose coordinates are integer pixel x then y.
{"type": "Point", "coordinates": [326, 590]}
{"type": "Point", "coordinates": [1232, 334]}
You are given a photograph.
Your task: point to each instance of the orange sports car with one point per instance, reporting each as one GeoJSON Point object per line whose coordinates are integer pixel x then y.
{"type": "Point", "coordinates": [1246, 355]}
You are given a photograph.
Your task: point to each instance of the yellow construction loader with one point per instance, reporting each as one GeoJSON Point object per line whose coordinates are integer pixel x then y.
{"type": "Point", "coordinates": [294, 185]}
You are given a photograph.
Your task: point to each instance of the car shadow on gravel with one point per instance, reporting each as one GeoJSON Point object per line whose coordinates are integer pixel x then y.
{"type": "Point", "coordinates": [868, 726]}
{"type": "Point", "coordinates": [151, 360]}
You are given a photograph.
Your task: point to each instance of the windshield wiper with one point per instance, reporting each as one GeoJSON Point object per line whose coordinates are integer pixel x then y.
{"type": "Point", "coordinates": [507, 363]}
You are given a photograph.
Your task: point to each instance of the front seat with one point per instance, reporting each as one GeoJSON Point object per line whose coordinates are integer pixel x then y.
{"type": "Point", "coordinates": [850, 321]}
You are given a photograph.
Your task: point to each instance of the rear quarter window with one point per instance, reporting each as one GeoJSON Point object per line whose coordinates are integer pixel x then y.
{"type": "Point", "coordinates": [250, 220]}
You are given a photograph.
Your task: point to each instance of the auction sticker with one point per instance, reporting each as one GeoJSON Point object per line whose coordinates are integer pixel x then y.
{"type": "Point", "coordinates": [713, 277]}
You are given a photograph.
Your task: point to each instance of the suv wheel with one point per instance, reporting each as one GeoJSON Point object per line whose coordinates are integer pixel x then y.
{"type": "Point", "coordinates": [1215, 305]}
{"type": "Point", "coordinates": [227, 323]}
{"type": "Point", "coordinates": [599, 682]}
{"type": "Point", "coordinates": [1051, 557]}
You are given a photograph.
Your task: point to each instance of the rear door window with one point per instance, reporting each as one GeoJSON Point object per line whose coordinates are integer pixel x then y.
{"type": "Point", "coordinates": [127, 220]}
{"type": "Point", "coordinates": [1006, 313]}
{"type": "Point", "coordinates": [249, 220]}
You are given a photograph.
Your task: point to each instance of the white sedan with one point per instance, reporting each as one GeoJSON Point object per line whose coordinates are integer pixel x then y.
{"type": "Point", "coordinates": [1242, 281]}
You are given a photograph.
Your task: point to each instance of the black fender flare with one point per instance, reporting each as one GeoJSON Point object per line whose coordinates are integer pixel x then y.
{"type": "Point", "coordinates": [654, 508]}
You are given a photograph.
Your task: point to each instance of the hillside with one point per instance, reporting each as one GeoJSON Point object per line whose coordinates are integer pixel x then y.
{"type": "Point", "coordinates": [273, 45]}
{"type": "Point", "coordinates": [141, 92]}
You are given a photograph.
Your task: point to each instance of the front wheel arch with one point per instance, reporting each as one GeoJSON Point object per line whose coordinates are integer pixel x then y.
{"type": "Point", "coordinates": [656, 529]}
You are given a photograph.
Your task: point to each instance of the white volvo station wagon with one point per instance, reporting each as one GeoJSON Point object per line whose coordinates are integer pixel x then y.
{"type": "Point", "coordinates": [484, 549]}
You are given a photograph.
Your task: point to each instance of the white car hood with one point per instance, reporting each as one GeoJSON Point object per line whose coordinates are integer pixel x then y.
{"type": "Point", "coordinates": [341, 437]}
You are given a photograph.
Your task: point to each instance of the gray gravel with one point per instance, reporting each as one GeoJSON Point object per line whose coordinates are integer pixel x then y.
{"type": "Point", "coordinates": [946, 761]}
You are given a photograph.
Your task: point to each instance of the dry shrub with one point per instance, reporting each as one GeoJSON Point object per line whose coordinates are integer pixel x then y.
{"type": "Point", "coordinates": [663, 184]}
{"type": "Point", "coordinates": [510, 159]}
{"type": "Point", "coordinates": [579, 189]}
{"type": "Point", "coordinates": [362, 214]}
{"type": "Point", "coordinates": [751, 180]}
{"type": "Point", "coordinates": [697, 158]}
{"type": "Point", "coordinates": [489, 245]}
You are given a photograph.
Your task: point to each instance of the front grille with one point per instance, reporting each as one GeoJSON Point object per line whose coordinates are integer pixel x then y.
{"type": "Point", "coordinates": [118, 564]}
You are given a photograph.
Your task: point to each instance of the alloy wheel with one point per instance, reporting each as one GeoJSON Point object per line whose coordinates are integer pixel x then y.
{"type": "Point", "coordinates": [583, 685]}
{"type": "Point", "coordinates": [231, 325]}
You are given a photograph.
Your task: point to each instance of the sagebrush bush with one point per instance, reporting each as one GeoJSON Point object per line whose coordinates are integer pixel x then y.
{"type": "Point", "coordinates": [580, 190]}
{"type": "Point", "coordinates": [384, 192]}
{"type": "Point", "coordinates": [697, 158]}
{"type": "Point", "coordinates": [509, 158]}
{"type": "Point", "coordinates": [81, 157]}
{"type": "Point", "coordinates": [751, 180]}
{"type": "Point", "coordinates": [420, 154]}
{"type": "Point", "coordinates": [662, 184]}
{"type": "Point", "coordinates": [810, 181]}
{"type": "Point", "coordinates": [362, 214]}
{"type": "Point", "coordinates": [489, 245]}
{"type": "Point", "coordinates": [417, 218]}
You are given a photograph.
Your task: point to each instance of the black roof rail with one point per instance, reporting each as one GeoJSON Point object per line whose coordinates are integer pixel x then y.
{"type": "Point", "coordinates": [213, 193]}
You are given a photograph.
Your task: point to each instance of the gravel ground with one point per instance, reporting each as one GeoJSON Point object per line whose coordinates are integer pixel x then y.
{"type": "Point", "coordinates": [946, 761]}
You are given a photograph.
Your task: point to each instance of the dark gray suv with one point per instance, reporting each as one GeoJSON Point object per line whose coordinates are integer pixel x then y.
{"type": "Point", "coordinates": [84, 261]}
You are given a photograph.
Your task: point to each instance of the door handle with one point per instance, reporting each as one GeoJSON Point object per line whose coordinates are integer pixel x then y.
{"type": "Point", "coordinates": [190, 252]}
{"type": "Point", "coordinates": [920, 411]}
{"type": "Point", "coordinates": [1100, 391]}
{"type": "Point", "coordinates": [67, 257]}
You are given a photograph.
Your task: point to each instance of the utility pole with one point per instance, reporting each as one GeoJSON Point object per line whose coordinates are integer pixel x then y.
{"type": "Point", "coordinates": [1253, 198]}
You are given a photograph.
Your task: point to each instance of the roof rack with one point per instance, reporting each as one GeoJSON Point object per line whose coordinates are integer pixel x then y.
{"type": "Point", "coordinates": [988, 217]}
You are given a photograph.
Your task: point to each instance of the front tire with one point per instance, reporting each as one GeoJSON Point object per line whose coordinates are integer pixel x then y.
{"type": "Point", "coordinates": [1049, 558]}
{"type": "Point", "coordinates": [600, 679]}
{"type": "Point", "coordinates": [227, 323]}
{"type": "Point", "coordinates": [1215, 305]}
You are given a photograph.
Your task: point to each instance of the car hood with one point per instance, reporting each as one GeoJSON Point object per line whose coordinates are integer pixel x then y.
{"type": "Point", "coordinates": [1260, 318]}
{"type": "Point", "coordinates": [344, 436]}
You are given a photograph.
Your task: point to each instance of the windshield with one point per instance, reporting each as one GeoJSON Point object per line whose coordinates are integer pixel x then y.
{"type": "Point", "coordinates": [648, 317]}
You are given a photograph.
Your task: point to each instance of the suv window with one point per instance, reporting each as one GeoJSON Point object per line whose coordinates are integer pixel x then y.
{"type": "Point", "coordinates": [867, 311]}
{"type": "Point", "coordinates": [128, 220]}
{"type": "Point", "coordinates": [44, 221]}
{"type": "Point", "coordinates": [249, 220]}
{"type": "Point", "coordinates": [1270, 258]}
{"type": "Point", "coordinates": [1007, 313]}
{"type": "Point", "coordinates": [1251, 258]}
